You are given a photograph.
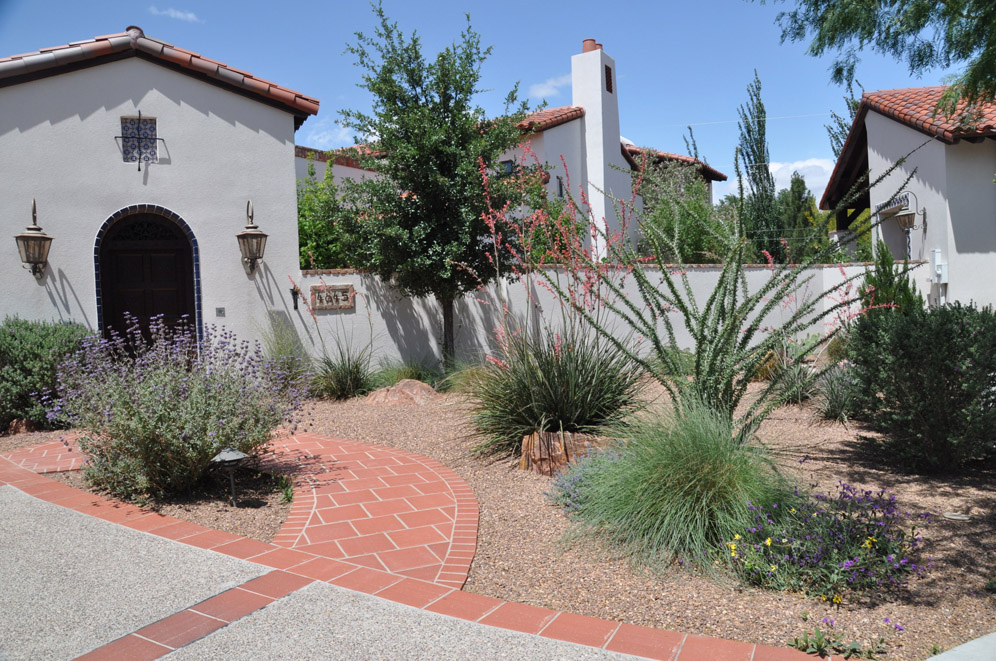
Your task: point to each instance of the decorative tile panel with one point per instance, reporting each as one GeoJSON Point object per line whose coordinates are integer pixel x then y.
{"type": "Point", "coordinates": [139, 140]}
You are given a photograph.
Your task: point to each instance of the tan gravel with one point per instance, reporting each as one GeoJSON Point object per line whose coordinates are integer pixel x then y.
{"type": "Point", "coordinates": [522, 557]}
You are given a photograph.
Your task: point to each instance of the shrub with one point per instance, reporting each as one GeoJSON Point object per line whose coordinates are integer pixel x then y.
{"type": "Point", "coordinates": [343, 374]}
{"type": "Point", "coordinates": [795, 383]}
{"type": "Point", "coordinates": [928, 380]}
{"type": "Point", "coordinates": [889, 285]}
{"type": "Point", "coordinates": [835, 393]}
{"type": "Point", "coordinates": [853, 542]}
{"type": "Point", "coordinates": [573, 382]}
{"type": "Point", "coordinates": [681, 486]}
{"type": "Point", "coordinates": [30, 353]}
{"type": "Point", "coordinates": [283, 348]}
{"type": "Point", "coordinates": [570, 487]}
{"type": "Point", "coordinates": [462, 377]}
{"type": "Point", "coordinates": [391, 372]}
{"type": "Point", "coordinates": [154, 413]}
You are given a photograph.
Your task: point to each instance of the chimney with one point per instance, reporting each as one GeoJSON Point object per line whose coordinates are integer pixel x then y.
{"type": "Point", "coordinates": [594, 84]}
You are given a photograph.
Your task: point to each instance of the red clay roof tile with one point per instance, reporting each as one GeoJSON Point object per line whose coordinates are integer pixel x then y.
{"type": "Point", "coordinates": [136, 40]}
{"type": "Point", "coordinates": [547, 118]}
{"type": "Point", "coordinates": [709, 172]}
{"type": "Point", "coordinates": [915, 107]}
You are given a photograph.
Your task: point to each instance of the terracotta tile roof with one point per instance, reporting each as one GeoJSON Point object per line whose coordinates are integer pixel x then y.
{"type": "Point", "coordinates": [338, 156]}
{"type": "Point", "coordinates": [547, 118]}
{"type": "Point", "coordinates": [49, 61]}
{"type": "Point", "coordinates": [914, 107]}
{"type": "Point", "coordinates": [708, 172]}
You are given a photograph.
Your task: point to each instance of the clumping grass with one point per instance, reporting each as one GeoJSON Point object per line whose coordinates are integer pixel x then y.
{"type": "Point", "coordinates": [680, 486]}
{"type": "Point", "coordinates": [344, 373]}
{"type": "Point", "coordinates": [574, 382]}
{"type": "Point", "coordinates": [392, 371]}
{"type": "Point", "coordinates": [462, 377]}
{"type": "Point", "coordinates": [835, 393]}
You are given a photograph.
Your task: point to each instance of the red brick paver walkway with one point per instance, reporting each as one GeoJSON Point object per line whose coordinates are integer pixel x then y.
{"type": "Point", "coordinates": [366, 518]}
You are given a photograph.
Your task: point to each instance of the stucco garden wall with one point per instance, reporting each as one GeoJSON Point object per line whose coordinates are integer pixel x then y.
{"type": "Point", "coordinates": [399, 327]}
{"type": "Point", "coordinates": [57, 144]}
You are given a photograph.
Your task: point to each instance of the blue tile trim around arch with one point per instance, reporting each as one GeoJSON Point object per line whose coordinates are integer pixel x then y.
{"type": "Point", "coordinates": [169, 215]}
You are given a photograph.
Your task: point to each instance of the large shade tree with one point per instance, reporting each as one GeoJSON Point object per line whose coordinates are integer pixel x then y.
{"type": "Point", "coordinates": [422, 226]}
{"type": "Point", "coordinates": [925, 34]}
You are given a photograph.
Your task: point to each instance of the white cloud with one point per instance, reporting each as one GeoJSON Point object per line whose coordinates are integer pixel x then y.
{"type": "Point", "coordinates": [549, 87]}
{"type": "Point", "coordinates": [326, 133]}
{"type": "Point", "coordinates": [186, 16]}
{"type": "Point", "coordinates": [816, 172]}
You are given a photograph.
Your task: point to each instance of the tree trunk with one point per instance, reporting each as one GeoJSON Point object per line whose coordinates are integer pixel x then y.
{"type": "Point", "coordinates": [449, 350]}
{"type": "Point", "coordinates": [547, 452]}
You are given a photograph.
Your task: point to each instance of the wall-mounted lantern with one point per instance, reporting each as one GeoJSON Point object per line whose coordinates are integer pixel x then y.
{"type": "Point", "coordinates": [252, 242]}
{"type": "Point", "coordinates": [33, 244]}
{"type": "Point", "coordinates": [904, 213]}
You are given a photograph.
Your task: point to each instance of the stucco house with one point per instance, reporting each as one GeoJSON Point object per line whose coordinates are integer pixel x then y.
{"type": "Point", "coordinates": [144, 161]}
{"type": "Point", "coordinates": [945, 214]}
{"type": "Point", "coordinates": [583, 137]}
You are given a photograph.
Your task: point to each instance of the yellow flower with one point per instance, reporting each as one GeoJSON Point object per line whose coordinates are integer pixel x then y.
{"type": "Point", "coordinates": [869, 542]}
{"type": "Point", "coordinates": [791, 510]}
{"type": "Point", "coordinates": [733, 547]}
{"type": "Point", "coordinates": [823, 597]}
{"type": "Point", "coordinates": [733, 554]}
{"type": "Point", "coordinates": [814, 515]}
{"type": "Point", "coordinates": [773, 568]}
{"type": "Point", "coordinates": [768, 541]}
{"type": "Point", "coordinates": [737, 536]}
{"type": "Point", "coordinates": [837, 599]}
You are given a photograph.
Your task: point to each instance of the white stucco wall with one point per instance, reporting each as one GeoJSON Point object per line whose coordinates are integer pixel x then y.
{"type": "Point", "coordinates": [57, 144]}
{"type": "Point", "coordinates": [888, 142]}
{"type": "Point", "coordinates": [396, 327]}
{"type": "Point", "coordinates": [339, 172]}
{"type": "Point", "coordinates": [971, 232]}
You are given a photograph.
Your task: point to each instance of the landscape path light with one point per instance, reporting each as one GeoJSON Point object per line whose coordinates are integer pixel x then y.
{"type": "Point", "coordinates": [228, 460]}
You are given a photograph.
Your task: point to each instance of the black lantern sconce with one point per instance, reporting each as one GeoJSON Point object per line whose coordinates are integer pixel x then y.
{"type": "Point", "coordinates": [33, 244]}
{"type": "Point", "coordinates": [252, 242]}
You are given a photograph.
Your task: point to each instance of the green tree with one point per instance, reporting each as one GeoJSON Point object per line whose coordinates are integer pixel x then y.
{"type": "Point", "coordinates": [797, 216]}
{"type": "Point", "coordinates": [424, 228]}
{"type": "Point", "coordinates": [840, 126]}
{"type": "Point", "coordinates": [676, 208]}
{"type": "Point", "coordinates": [324, 213]}
{"type": "Point", "coordinates": [923, 33]}
{"type": "Point", "coordinates": [757, 186]}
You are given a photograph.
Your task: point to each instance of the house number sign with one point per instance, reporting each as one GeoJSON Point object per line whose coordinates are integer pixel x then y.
{"type": "Point", "coordinates": [333, 297]}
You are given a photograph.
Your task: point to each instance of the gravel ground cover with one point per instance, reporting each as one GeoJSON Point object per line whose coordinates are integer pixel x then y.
{"type": "Point", "coordinates": [521, 555]}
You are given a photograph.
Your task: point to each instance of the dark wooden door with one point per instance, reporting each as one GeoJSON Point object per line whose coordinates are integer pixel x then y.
{"type": "Point", "coordinates": [146, 269]}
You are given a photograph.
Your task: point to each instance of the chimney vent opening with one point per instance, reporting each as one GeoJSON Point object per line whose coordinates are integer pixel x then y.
{"type": "Point", "coordinates": [608, 79]}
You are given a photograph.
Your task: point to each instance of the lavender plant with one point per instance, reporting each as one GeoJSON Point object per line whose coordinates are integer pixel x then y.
{"type": "Point", "coordinates": [830, 546]}
{"type": "Point", "coordinates": [154, 411]}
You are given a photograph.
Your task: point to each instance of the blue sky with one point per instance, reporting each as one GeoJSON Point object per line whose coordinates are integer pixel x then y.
{"type": "Point", "coordinates": [677, 63]}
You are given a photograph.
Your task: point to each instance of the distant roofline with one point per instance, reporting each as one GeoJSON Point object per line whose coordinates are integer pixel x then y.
{"type": "Point", "coordinates": [55, 60]}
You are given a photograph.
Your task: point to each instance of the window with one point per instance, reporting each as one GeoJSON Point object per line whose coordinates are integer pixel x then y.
{"type": "Point", "coordinates": [506, 167]}
{"type": "Point", "coordinates": [560, 187]}
{"type": "Point", "coordinates": [138, 140]}
{"type": "Point", "coordinates": [608, 79]}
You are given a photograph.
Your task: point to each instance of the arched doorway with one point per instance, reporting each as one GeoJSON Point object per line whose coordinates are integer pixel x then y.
{"type": "Point", "coordinates": [145, 268]}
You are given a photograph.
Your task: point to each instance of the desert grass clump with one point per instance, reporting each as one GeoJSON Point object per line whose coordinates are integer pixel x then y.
{"type": "Point", "coordinates": [153, 412]}
{"type": "Point", "coordinates": [681, 486]}
{"type": "Point", "coordinates": [392, 371]}
{"type": "Point", "coordinates": [343, 373]}
{"type": "Point", "coordinates": [571, 381]}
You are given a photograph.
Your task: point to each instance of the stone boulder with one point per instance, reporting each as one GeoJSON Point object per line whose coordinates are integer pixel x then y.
{"type": "Point", "coordinates": [406, 391]}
